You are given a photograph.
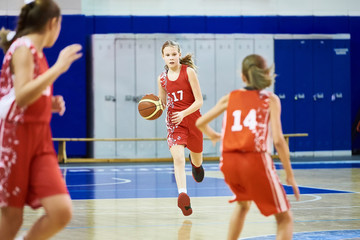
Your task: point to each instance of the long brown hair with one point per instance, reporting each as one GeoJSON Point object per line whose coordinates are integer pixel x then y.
{"type": "Point", "coordinates": [255, 70]}
{"type": "Point", "coordinates": [187, 60]}
{"type": "Point", "coordinates": [32, 19]}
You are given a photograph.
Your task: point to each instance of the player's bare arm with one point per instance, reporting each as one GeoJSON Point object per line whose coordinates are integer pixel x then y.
{"type": "Point", "coordinates": [162, 93]}
{"type": "Point", "coordinates": [280, 143]}
{"type": "Point", "coordinates": [28, 91]}
{"type": "Point", "coordinates": [203, 122]}
{"type": "Point", "coordinates": [195, 86]}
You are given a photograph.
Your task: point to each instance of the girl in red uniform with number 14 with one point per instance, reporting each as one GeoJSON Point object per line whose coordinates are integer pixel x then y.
{"type": "Point", "coordinates": [251, 116]}
{"type": "Point", "coordinates": [179, 88]}
{"type": "Point", "coordinates": [29, 172]}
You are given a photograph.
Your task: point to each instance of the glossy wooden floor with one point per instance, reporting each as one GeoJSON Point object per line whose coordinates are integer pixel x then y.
{"type": "Point", "coordinates": [317, 216]}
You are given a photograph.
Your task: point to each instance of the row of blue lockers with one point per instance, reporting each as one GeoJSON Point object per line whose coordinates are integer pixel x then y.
{"type": "Point", "coordinates": [313, 84]}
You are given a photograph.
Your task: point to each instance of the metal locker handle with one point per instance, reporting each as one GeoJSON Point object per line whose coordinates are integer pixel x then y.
{"type": "Point", "coordinates": [110, 98]}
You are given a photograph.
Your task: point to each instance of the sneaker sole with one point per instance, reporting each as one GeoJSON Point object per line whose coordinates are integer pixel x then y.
{"type": "Point", "coordinates": [183, 203]}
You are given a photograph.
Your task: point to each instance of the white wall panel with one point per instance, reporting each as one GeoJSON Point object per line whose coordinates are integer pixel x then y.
{"type": "Point", "coordinates": [205, 55]}
{"type": "Point", "coordinates": [126, 106]}
{"type": "Point", "coordinates": [220, 8]}
{"type": "Point", "coordinates": [104, 98]}
{"type": "Point", "coordinates": [162, 149]}
{"type": "Point", "coordinates": [243, 48]}
{"type": "Point", "coordinates": [197, 7]}
{"type": "Point", "coordinates": [225, 70]}
{"type": "Point", "coordinates": [145, 84]}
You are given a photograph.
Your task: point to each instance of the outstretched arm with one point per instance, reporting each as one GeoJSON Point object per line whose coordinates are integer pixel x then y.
{"type": "Point", "coordinates": [280, 143]}
{"type": "Point", "coordinates": [203, 122]}
{"type": "Point", "coordinates": [28, 91]}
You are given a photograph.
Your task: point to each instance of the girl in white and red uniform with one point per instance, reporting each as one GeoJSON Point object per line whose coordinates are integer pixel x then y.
{"type": "Point", "coordinates": [179, 88]}
{"type": "Point", "coordinates": [29, 172]}
{"type": "Point", "coordinates": [251, 116]}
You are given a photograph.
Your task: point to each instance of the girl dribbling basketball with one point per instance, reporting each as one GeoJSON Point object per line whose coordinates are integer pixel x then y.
{"type": "Point", "coordinates": [179, 88]}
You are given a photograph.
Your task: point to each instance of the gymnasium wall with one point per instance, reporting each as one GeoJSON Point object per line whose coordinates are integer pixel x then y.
{"type": "Point", "coordinates": [83, 18]}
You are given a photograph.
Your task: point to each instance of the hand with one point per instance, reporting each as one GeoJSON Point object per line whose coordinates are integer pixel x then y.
{"type": "Point", "coordinates": [67, 56]}
{"type": "Point", "coordinates": [163, 105]}
{"type": "Point", "coordinates": [216, 137]}
{"type": "Point", "coordinates": [291, 181]}
{"type": "Point", "coordinates": [177, 117]}
{"type": "Point", "coordinates": [58, 105]}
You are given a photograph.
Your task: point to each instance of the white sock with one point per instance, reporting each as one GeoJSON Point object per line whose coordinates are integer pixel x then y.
{"type": "Point", "coordinates": [20, 238]}
{"type": "Point", "coordinates": [182, 190]}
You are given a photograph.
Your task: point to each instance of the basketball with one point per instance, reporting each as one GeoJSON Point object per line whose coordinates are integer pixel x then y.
{"type": "Point", "coordinates": [150, 107]}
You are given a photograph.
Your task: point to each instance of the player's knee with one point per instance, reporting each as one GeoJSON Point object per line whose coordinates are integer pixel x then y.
{"type": "Point", "coordinates": [61, 216]}
{"type": "Point", "coordinates": [284, 217]}
{"type": "Point", "coordinates": [12, 220]}
{"type": "Point", "coordinates": [244, 206]}
{"type": "Point", "coordinates": [179, 161]}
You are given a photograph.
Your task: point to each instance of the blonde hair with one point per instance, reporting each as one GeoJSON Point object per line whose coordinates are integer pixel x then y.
{"type": "Point", "coordinates": [32, 19]}
{"type": "Point", "coordinates": [255, 70]}
{"type": "Point", "coordinates": [187, 60]}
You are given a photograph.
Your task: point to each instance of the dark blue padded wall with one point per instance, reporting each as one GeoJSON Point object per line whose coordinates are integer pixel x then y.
{"type": "Point", "coordinates": [320, 74]}
{"type": "Point", "coordinates": [284, 68]}
{"type": "Point", "coordinates": [341, 99]}
{"type": "Point", "coordinates": [303, 89]}
{"type": "Point", "coordinates": [322, 90]}
{"type": "Point", "coordinates": [72, 85]}
{"type": "Point", "coordinates": [355, 84]}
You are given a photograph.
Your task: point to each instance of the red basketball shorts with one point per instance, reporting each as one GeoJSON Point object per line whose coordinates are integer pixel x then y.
{"type": "Point", "coordinates": [29, 170]}
{"type": "Point", "coordinates": [186, 133]}
{"type": "Point", "coordinates": [252, 177]}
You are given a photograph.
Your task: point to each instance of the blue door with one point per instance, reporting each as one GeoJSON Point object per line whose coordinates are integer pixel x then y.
{"type": "Point", "coordinates": [303, 95]}
{"type": "Point", "coordinates": [322, 82]}
{"type": "Point", "coordinates": [341, 100]}
{"type": "Point", "coordinates": [284, 83]}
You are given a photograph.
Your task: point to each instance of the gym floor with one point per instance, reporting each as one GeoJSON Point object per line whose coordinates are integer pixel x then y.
{"type": "Point", "coordinates": [139, 201]}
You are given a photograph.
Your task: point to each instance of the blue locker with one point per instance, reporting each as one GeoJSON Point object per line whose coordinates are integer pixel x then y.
{"type": "Point", "coordinates": [341, 99]}
{"type": "Point", "coordinates": [303, 103]}
{"type": "Point", "coordinates": [284, 84]}
{"type": "Point", "coordinates": [322, 62]}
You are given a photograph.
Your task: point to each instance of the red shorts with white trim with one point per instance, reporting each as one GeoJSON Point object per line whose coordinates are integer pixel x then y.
{"type": "Point", "coordinates": [186, 133]}
{"type": "Point", "coordinates": [252, 177]}
{"type": "Point", "coordinates": [29, 169]}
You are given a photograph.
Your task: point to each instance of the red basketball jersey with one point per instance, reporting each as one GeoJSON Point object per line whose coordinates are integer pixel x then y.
{"type": "Point", "coordinates": [40, 110]}
{"type": "Point", "coordinates": [179, 92]}
{"type": "Point", "coordinates": [246, 122]}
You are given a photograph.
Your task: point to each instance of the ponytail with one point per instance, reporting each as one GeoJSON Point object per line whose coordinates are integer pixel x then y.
{"type": "Point", "coordinates": [255, 70]}
{"type": "Point", "coordinates": [188, 60]}
{"type": "Point", "coordinates": [32, 19]}
{"type": "Point", "coordinates": [5, 39]}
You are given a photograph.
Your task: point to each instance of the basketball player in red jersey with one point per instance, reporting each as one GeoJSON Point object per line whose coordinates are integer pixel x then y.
{"type": "Point", "coordinates": [179, 88]}
{"type": "Point", "coordinates": [251, 116]}
{"type": "Point", "coordinates": [29, 172]}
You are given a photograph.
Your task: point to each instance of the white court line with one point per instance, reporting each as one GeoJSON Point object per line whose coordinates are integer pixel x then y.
{"type": "Point", "coordinates": [121, 181]}
{"type": "Point", "coordinates": [316, 198]}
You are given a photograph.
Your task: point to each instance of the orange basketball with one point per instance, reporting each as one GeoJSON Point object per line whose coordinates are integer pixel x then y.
{"type": "Point", "coordinates": [150, 107]}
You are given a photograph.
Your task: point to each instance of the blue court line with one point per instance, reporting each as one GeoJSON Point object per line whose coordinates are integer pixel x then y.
{"type": "Point", "coordinates": [319, 235]}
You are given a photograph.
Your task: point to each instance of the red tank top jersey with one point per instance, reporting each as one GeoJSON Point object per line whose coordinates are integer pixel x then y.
{"type": "Point", "coordinates": [246, 122]}
{"type": "Point", "coordinates": [179, 92]}
{"type": "Point", "coordinates": [40, 110]}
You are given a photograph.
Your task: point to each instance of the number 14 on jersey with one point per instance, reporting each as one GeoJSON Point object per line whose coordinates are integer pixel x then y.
{"type": "Point", "coordinates": [249, 121]}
